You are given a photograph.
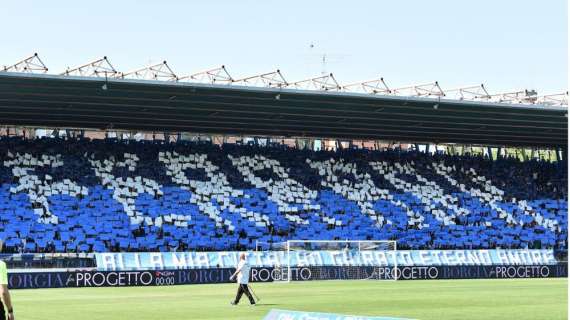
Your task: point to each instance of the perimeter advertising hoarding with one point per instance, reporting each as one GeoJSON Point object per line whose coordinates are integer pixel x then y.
{"type": "Point", "coordinates": [32, 280]}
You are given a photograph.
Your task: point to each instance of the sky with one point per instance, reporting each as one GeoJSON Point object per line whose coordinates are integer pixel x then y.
{"type": "Point", "coordinates": [507, 45]}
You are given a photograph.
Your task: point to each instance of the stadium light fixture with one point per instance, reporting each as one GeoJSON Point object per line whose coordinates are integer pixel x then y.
{"type": "Point", "coordinates": [98, 68]}
{"type": "Point", "coordinates": [273, 79]}
{"type": "Point", "coordinates": [422, 90]}
{"type": "Point", "coordinates": [378, 86]}
{"type": "Point", "coordinates": [31, 64]}
{"type": "Point", "coordinates": [326, 83]}
{"type": "Point", "coordinates": [212, 76]}
{"type": "Point", "coordinates": [160, 71]}
{"type": "Point", "coordinates": [476, 93]}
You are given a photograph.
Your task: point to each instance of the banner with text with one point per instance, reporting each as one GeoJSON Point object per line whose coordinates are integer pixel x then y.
{"type": "Point", "coordinates": [229, 259]}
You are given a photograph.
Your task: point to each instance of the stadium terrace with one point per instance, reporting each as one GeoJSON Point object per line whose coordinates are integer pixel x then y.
{"type": "Point", "coordinates": [78, 195]}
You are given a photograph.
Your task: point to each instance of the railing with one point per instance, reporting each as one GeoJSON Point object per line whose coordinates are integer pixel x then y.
{"type": "Point", "coordinates": [49, 260]}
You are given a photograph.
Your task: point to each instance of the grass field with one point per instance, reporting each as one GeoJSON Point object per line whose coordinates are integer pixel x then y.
{"type": "Point", "coordinates": [441, 300]}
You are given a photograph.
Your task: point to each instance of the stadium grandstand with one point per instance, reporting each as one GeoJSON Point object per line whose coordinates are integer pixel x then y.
{"type": "Point", "coordinates": [96, 162]}
{"type": "Point", "coordinates": [69, 193]}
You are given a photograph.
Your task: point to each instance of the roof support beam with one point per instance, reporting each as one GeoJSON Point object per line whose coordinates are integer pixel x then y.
{"type": "Point", "coordinates": [31, 64]}
{"type": "Point", "coordinates": [523, 96]}
{"type": "Point", "coordinates": [377, 86]}
{"type": "Point", "coordinates": [326, 83]}
{"type": "Point", "coordinates": [98, 68]}
{"type": "Point", "coordinates": [159, 71]}
{"type": "Point", "coordinates": [269, 80]}
{"type": "Point", "coordinates": [559, 99]}
{"type": "Point", "coordinates": [476, 93]}
{"type": "Point", "coordinates": [422, 90]}
{"type": "Point", "coordinates": [213, 76]}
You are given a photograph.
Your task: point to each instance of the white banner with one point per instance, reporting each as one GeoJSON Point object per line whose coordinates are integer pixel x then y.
{"type": "Point", "coordinates": [229, 259]}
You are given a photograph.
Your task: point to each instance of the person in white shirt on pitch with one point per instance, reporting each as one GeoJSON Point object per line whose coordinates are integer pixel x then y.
{"type": "Point", "coordinates": [242, 273]}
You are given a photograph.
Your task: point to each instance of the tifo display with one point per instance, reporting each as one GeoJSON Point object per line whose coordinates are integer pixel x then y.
{"type": "Point", "coordinates": [80, 195]}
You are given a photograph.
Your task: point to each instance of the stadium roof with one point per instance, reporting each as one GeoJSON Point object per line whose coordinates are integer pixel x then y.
{"type": "Point", "coordinates": [41, 100]}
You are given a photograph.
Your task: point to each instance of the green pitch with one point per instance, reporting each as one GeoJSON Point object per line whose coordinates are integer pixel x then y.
{"type": "Point", "coordinates": [438, 300]}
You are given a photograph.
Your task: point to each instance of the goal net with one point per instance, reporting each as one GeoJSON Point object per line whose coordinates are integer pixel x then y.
{"type": "Point", "coordinates": [336, 260]}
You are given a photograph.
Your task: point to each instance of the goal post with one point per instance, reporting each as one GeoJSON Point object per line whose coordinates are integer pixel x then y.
{"type": "Point", "coordinates": [341, 260]}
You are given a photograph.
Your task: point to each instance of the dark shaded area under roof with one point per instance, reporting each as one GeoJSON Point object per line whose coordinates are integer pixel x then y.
{"type": "Point", "coordinates": [76, 102]}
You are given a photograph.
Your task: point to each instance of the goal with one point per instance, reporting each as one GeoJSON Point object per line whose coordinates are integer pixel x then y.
{"type": "Point", "coordinates": [336, 260]}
